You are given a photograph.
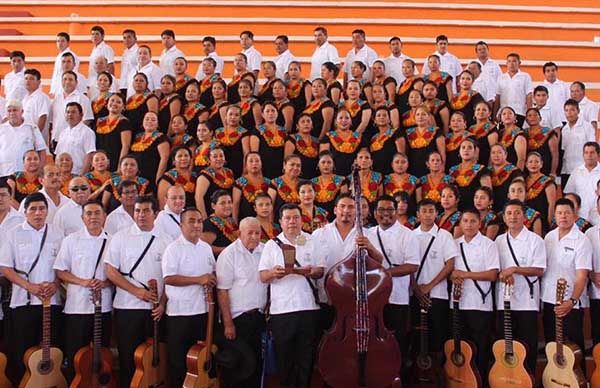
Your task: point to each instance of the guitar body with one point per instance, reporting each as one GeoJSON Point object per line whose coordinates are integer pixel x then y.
{"type": "Point", "coordinates": [43, 376]}
{"type": "Point", "coordinates": [84, 373]}
{"type": "Point", "coordinates": [567, 375]}
{"type": "Point", "coordinates": [425, 373]}
{"type": "Point", "coordinates": [509, 371]}
{"type": "Point", "coordinates": [146, 375]}
{"type": "Point", "coordinates": [459, 369]}
{"type": "Point", "coordinates": [595, 380]}
{"type": "Point", "coordinates": [197, 376]}
{"type": "Point", "coordinates": [4, 382]}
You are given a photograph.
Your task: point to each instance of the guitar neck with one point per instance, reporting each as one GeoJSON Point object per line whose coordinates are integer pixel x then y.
{"type": "Point", "coordinates": [424, 332]}
{"type": "Point", "coordinates": [96, 361]}
{"type": "Point", "coordinates": [559, 337]}
{"type": "Point", "coordinates": [508, 337]}
{"type": "Point", "coordinates": [210, 326]}
{"type": "Point", "coordinates": [456, 325]}
{"type": "Point", "coordinates": [46, 330]}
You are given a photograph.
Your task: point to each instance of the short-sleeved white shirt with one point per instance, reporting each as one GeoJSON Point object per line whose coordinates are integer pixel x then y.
{"type": "Point", "coordinates": [588, 110]}
{"type": "Point", "coordinates": [593, 234]}
{"type": "Point", "coordinates": [12, 219]}
{"type": "Point", "coordinates": [101, 50]}
{"type": "Point", "coordinates": [365, 55]}
{"type": "Point", "coordinates": [78, 255]}
{"type": "Point", "coordinates": [59, 106]}
{"type": "Point", "coordinates": [128, 62]}
{"type": "Point", "coordinates": [77, 141]}
{"type": "Point", "coordinates": [481, 255]}
{"type": "Point", "coordinates": [52, 207]}
{"type": "Point", "coordinates": [254, 58]}
{"type": "Point", "coordinates": [448, 63]}
{"type": "Point", "coordinates": [36, 105]}
{"type": "Point", "coordinates": [282, 62]}
{"type": "Point", "coordinates": [324, 53]}
{"type": "Point", "coordinates": [583, 183]}
{"type": "Point", "coordinates": [484, 87]}
{"type": "Point", "coordinates": [565, 256]}
{"type": "Point", "coordinates": [292, 292]}
{"type": "Point", "coordinates": [169, 222]}
{"type": "Point", "coordinates": [492, 72]}
{"type": "Point", "coordinates": [19, 250]}
{"type": "Point", "coordinates": [393, 67]}
{"type": "Point", "coordinates": [442, 249]}
{"type": "Point", "coordinates": [123, 251]}
{"type": "Point", "coordinates": [218, 69]}
{"type": "Point", "coordinates": [117, 220]}
{"type": "Point", "coordinates": [558, 94]}
{"type": "Point", "coordinates": [14, 85]}
{"type": "Point", "coordinates": [573, 138]}
{"type": "Point", "coordinates": [400, 249]}
{"type": "Point", "coordinates": [513, 91]}
{"type": "Point", "coordinates": [14, 142]}
{"type": "Point", "coordinates": [167, 59]}
{"type": "Point", "coordinates": [56, 83]}
{"type": "Point", "coordinates": [550, 118]}
{"type": "Point", "coordinates": [68, 218]}
{"type": "Point", "coordinates": [237, 272]}
{"type": "Point", "coordinates": [530, 251]}
{"type": "Point", "coordinates": [153, 72]}
{"type": "Point", "coordinates": [183, 257]}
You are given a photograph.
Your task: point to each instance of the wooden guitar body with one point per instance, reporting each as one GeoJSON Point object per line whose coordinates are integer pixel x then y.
{"type": "Point", "coordinates": [509, 371]}
{"type": "Point", "coordinates": [146, 375]}
{"type": "Point", "coordinates": [595, 379]}
{"type": "Point", "coordinates": [4, 382]}
{"type": "Point", "coordinates": [40, 374]}
{"type": "Point", "coordinates": [459, 368]}
{"type": "Point", "coordinates": [563, 374]}
{"type": "Point", "coordinates": [425, 373]}
{"type": "Point", "coordinates": [197, 376]}
{"type": "Point", "coordinates": [84, 373]}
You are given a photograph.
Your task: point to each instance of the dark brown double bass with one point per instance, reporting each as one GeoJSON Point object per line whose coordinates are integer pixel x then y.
{"type": "Point", "coordinates": [358, 351]}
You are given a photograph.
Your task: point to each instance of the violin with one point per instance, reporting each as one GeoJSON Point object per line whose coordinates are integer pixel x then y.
{"type": "Point", "coordinates": [358, 351]}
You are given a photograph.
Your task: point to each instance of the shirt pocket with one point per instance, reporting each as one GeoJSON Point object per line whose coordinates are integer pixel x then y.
{"type": "Point", "coordinates": [567, 260]}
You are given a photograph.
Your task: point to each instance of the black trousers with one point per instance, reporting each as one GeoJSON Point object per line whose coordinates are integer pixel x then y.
{"type": "Point", "coordinates": [248, 328]}
{"type": "Point", "coordinates": [79, 332]}
{"type": "Point", "coordinates": [476, 326]}
{"type": "Point", "coordinates": [438, 319]}
{"type": "Point", "coordinates": [182, 333]}
{"type": "Point", "coordinates": [395, 317]}
{"type": "Point", "coordinates": [524, 330]}
{"type": "Point", "coordinates": [295, 335]}
{"type": "Point", "coordinates": [133, 328]}
{"type": "Point", "coordinates": [26, 331]}
{"type": "Point", "coordinates": [572, 327]}
{"type": "Point", "coordinates": [595, 318]}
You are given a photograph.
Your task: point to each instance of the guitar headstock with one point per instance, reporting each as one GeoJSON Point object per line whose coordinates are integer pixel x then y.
{"type": "Point", "coordinates": [456, 292]}
{"type": "Point", "coordinates": [508, 291]}
{"type": "Point", "coordinates": [208, 294]}
{"type": "Point", "coordinates": [561, 289]}
{"type": "Point", "coordinates": [46, 302]}
{"type": "Point", "coordinates": [97, 297]}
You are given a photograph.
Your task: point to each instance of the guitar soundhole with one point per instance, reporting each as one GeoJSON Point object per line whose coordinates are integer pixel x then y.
{"type": "Point", "coordinates": [45, 367]}
{"type": "Point", "coordinates": [559, 360]}
{"type": "Point", "coordinates": [510, 359]}
{"type": "Point", "coordinates": [424, 362]}
{"type": "Point", "coordinates": [104, 378]}
{"type": "Point", "coordinates": [458, 358]}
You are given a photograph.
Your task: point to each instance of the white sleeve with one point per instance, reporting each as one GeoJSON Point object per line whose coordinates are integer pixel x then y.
{"type": "Point", "coordinates": [109, 54]}
{"type": "Point", "coordinates": [88, 114]}
{"type": "Point", "coordinates": [89, 144]}
{"type": "Point", "coordinates": [539, 254]}
{"type": "Point", "coordinates": [492, 257]}
{"type": "Point", "coordinates": [7, 254]}
{"type": "Point", "coordinates": [225, 271]}
{"type": "Point", "coordinates": [267, 258]}
{"type": "Point", "coordinates": [38, 140]}
{"type": "Point", "coordinates": [155, 76]}
{"type": "Point", "coordinates": [169, 264]}
{"type": "Point", "coordinates": [528, 84]}
{"type": "Point", "coordinates": [449, 245]}
{"type": "Point", "coordinates": [333, 54]}
{"type": "Point", "coordinates": [371, 57]}
{"type": "Point", "coordinates": [590, 133]}
{"type": "Point", "coordinates": [63, 259]}
{"type": "Point", "coordinates": [113, 253]}
{"type": "Point", "coordinates": [583, 258]}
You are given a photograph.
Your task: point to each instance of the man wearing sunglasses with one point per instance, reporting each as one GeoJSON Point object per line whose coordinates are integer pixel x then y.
{"type": "Point", "coordinates": [68, 218]}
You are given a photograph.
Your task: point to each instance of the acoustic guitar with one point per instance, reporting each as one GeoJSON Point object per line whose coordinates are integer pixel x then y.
{"type": "Point", "coordinates": [508, 369]}
{"type": "Point", "coordinates": [93, 363]}
{"type": "Point", "coordinates": [425, 371]}
{"type": "Point", "coordinates": [595, 380]}
{"type": "Point", "coordinates": [43, 362]}
{"type": "Point", "coordinates": [459, 366]}
{"type": "Point", "coordinates": [564, 359]}
{"type": "Point", "coordinates": [151, 357]}
{"type": "Point", "coordinates": [201, 371]}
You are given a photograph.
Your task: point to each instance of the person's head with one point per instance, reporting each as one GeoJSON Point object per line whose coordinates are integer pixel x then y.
{"type": "Point", "coordinates": [344, 209]}
{"type": "Point", "coordinates": [534, 162]}
{"type": "Point", "coordinates": [69, 81]}
{"type": "Point", "coordinates": [482, 111]}
{"type": "Point", "coordinates": [513, 61]}
{"type": "Point", "coordinates": [358, 38]}
{"type": "Point", "coordinates": [571, 108]}
{"type": "Point", "coordinates": [97, 35]}
{"type": "Point", "coordinates": [168, 38]}
{"type": "Point", "coordinates": [433, 61]}
{"type": "Point", "coordinates": [140, 82]}
{"type": "Point", "coordinates": [129, 38]}
{"type": "Point", "coordinates": [128, 192]}
{"type": "Point", "coordinates": [167, 84]}
{"type": "Point", "coordinates": [380, 95]}
{"type": "Point", "coordinates": [364, 161]}
{"type": "Point", "coordinates": [326, 164]}
{"type": "Point", "coordinates": [100, 161]}
{"type": "Point", "coordinates": [51, 177]}
{"type": "Point", "coordinates": [434, 162]}
{"type": "Point", "coordinates": [73, 113]}
{"type": "Point", "coordinates": [14, 112]}
{"type": "Point", "coordinates": [36, 210]}
{"type": "Point", "coordinates": [415, 98]}
{"type": "Point", "coordinates": [240, 62]}
{"type": "Point", "coordinates": [458, 123]}
{"type": "Point", "coordinates": [62, 41]}
{"type": "Point", "coordinates": [565, 214]}
{"type": "Point", "coordinates": [591, 151]}
{"type": "Point", "coordinates": [382, 117]}
{"type": "Point", "coordinates": [279, 90]}
{"type": "Point", "coordinates": [474, 68]}
{"type": "Point", "coordinates": [290, 219]}
{"type": "Point", "coordinates": [104, 81]}
{"type": "Point", "coordinates": [129, 167]}
{"type": "Point", "coordinates": [192, 92]}
{"type": "Point", "coordinates": [575, 198]}
{"type": "Point", "coordinates": [180, 66]}
{"type": "Point", "coordinates": [263, 205]}
{"type": "Point", "coordinates": [508, 117]}
{"type": "Point", "coordinates": [517, 190]}
{"type": "Point", "coordinates": [31, 161]}
{"type": "Point", "coordinates": [422, 116]}
{"type": "Point", "coordinates": [395, 46]}
{"type": "Point", "coordinates": [191, 224]}
{"type": "Point", "coordinates": [100, 64]}
{"type": "Point", "coordinates": [246, 39]}
{"type": "Point", "coordinates": [427, 212]}
{"type": "Point", "coordinates": [209, 45]}
{"type": "Point", "coordinates": [378, 68]}
{"type": "Point", "coordinates": [385, 211]}
{"type": "Point", "coordinates": [269, 112]}
{"type": "Point", "coordinates": [468, 150]}
{"type": "Point", "coordinates": [353, 86]}
{"type": "Point", "coordinates": [550, 70]}
{"type": "Point", "coordinates": [5, 195]}
{"type": "Point", "coordinates": [17, 60]}
{"type": "Point", "coordinates": [540, 95]}
{"type": "Point", "coordinates": [483, 199]}
{"type": "Point", "coordinates": [292, 166]}
{"type": "Point", "coordinates": [399, 163]}
{"type": "Point", "coordinates": [64, 161]}
{"type": "Point", "coordinates": [577, 91]}
{"type": "Point", "coordinates": [144, 212]}
{"type": "Point", "coordinates": [93, 215]}
{"type": "Point", "coordinates": [401, 198]}
{"type": "Point", "coordinates": [178, 124]}
{"type": "Point", "coordinates": [304, 124]}
{"type": "Point", "coordinates": [533, 117]}
{"type": "Point", "coordinates": [441, 42]}
{"type": "Point", "coordinates": [498, 154]}
{"type": "Point", "coordinates": [408, 68]}
{"type": "Point", "coordinates": [281, 44]}
{"type": "Point", "coordinates": [253, 162]}
{"type": "Point", "coordinates": [233, 116]}
{"type": "Point", "coordinates": [250, 233]}
{"type": "Point", "coordinates": [482, 50]}
{"type": "Point", "coordinates": [144, 55]}
{"type": "Point", "coordinates": [218, 90]}
{"type": "Point", "coordinates": [221, 203]}
{"type": "Point", "coordinates": [245, 88]}
{"type": "Point", "coordinates": [67, 61]}
{"type": "Point", "coordinates": [450, 197]}
{"type": "Point", "coordinates": [320, 34]}
{"type": "Point", "coordinates": [514, 214]}
{"type": "Point", "coordinates": [429, 91]}
{"type": "Point", "coordinates": [319, 88]}
{"type": "Point", "coordinates": [176, 199]}
{"type": "Point", "coordinates": [150, 122]}
{"type": "Point", "coordinates": [33, 79]}
{"type": "Point", "coordinates": [470, 222]}
{"type": "Point", "coordinates": [306, 192]}
{"type": "Point", "coordinates": [465, 80]}
{"type": "Point", "coordinates": [269, 69]}
{"type": "Point", "coordinates": [79, 190]}
{"type": "Point", "coordinates": [216, 158]}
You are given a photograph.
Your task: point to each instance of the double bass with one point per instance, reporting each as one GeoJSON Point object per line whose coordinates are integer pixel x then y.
{"type": "Point", "coordinates": [358, 351]}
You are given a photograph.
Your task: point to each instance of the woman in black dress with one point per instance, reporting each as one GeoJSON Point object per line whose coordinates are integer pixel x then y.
{"type": "Point", "coordinates": [99, 175]}
{"type": "Point", "coordinates": [542, 140]}
{"type": "Point", "coordinates": [313, 216]}
{"type": "Point", "coordinates": [220, 229]}
{"type": "Point", "coordinates": [305, 146]}
{"type": "Point", "coordinates": [128, 170]}
{"type": "Point", "coordinates": [502, 174]}
{"type": "Point", "coordinates": [467, 99]}
{"type": "Point", "coordinates": [482, 129]}
{"type": "Point", "coordinates": [211, 179]}
{"type": "Point", "coordinates": [178, 135]}
{"type": "Point", "coordinates": [269, 141]}
{"type": "Point", "coordinates": [328, 185]}
{"type": "Point", "coordinates": [541, 190]}
{"type": "Point", "coordinates": [330, 72]}
{"type": "Point", "coordinates": [320, 109]}
{"type": "Point", "coordinates": [100, 102]}
{"type": "Point", "coordinates": [381, 100]}
{"type": "Point", "coordinates": [169, 104]}
{"type": "Point", "coordinates": [141, 102]}
{"type": "Point", "coordinates": [442, 79]}
{"type": "Point", "coordinates": [284, 189]}
{"type": "Point", "coordinates": [27, 181]}
{"type": "Point", "coordinates": [285, 108]}
{"type": "Point", "coordinates": [359, 109]}
{"type": "Point", "coordinates": [114, 132]}
{"type": "Point", "coordinates": [240, 67]}
{"type": "Point", "coordinates": [180, 175]}
{"type": "Point", "coordinates": [357, 71]}
{"type": "Point", "coordinates": [265, 91]}
{"type": "Point", "coordinates": [454, 137]}
{"type": "Point", "coordinates": [438, 108]}
{"type": "Point", "coordinates": [468, 175]}
{"type": "Point", "coordinates": [216, 112]}
{"type": "Point", "coordinates": [421, 140]}
{"type": "Point", "coordinates": [343, 143]}
{"type": "Point", "coordinates": [209, 66]}
{"type": "Point", "coordinates": [449, 218]}
{"type": "Point", "coordinates": [193, 110]}
{"type": "Point", "coordinates": [248, 186]}
{"type": "Point", "coordinates": [533, 219]}
{"type": "Point", "coordinates": [234, 139]}
{"type": "Point", "coordinates": [206, 142]}
{"type": "Point", "coordinates": [410, 82]}
{"type": "Point", "coordinates": [151, 149]}
{"type": "Point", "coordinates": [490, 222]}
{"type": "Point", "coordinates": [386, 141]}
{"type": "Point", "coordinates": [511, 137]}
{"type": "Point", "coordinates": [299, 90]}
{"type": "Point", "coordinates": [399, 180]}
{"type": "Point", "coordinates": [251, 115]}
{"type": "Point", "coordinates": [182, 78]}
{"type": "Point", "coordinates": [380, 78]}
{"type": "Point", "coordinates": [415, 99]}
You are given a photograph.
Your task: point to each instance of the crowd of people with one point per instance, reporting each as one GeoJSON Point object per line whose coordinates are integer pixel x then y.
{"type": "Point", "coordinates": [206, 177]}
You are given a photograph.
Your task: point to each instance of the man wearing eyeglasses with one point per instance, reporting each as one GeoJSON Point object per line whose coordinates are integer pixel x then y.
{"type": "Point", "coordinates": [68, 218]}
{"type": "Point", "coordinates": [122, 217]}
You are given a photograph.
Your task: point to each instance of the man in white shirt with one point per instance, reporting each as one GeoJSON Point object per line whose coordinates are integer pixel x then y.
{"type": "Point", "coordinates": [569, 254]}
{"type": "Point", "coordinates": [242, 296]}
{"type": "Point", "coordinates": [122, 217]}
{"type": "Point", "coordinates": [359, 52]}
{"type": "Point", "coordinates": [481, 84]}
{"type": "Point", "coordinates": [169, 219]}
{"type": "Point", "coordinates": [209, 45]}
{"type": "Point", "coordinates": [584, 177]}
{"type": "Point", "coordinates": [515, 89]}
{"type": "Point", "coordinates": [393, 63]}
{"type": "Point", "coordinates": [100, 66]}
{"type": "Point", "coordinates": [438, 254]}
{"type": "Point", "coordinates": [59, 105]}
{"type": "Point", "coordinates": [129, 58]}
{"type": "Point", "coordinates": [476, 269]}
{"type": "Point", "coordinates": [68, 218]}
{"type": "Point", "coordinates": [490, 69]}
{"type": "Point", "coordinates": [188, 268]}
{"type": "Point", "coordinates": [36, 104]}
{"type": "Point", "coordinates": [32, 279]}
{"type": "Point", "coordinates": [63, 40]}
{"type": "Point", "coordinates": [133, 258]}
{"type": "Point", "coordinates": [51, 184]}
{"type": "Point", "coordinates": [558, 91]}
{"type": "Point", "coordinates": [146, 66]}
{"type": "Point", "coordinates": [294, 318]}
{"type": "Point", "coordinates": [324, 52]}
{"type": "Point", "coordinates": [593, 234]}
{"type": "Point", "coordinates": [284, 56]}
{"type": "Point", "coordinates": [550, 117]}
{"type": "Point", "coordinates": [9, 217]}
{"type": "Point", "coordinates": [14, 81]}
{"type": "Point", "coordinates": [574, 135]}
{"type": "Point", "coordinates": [253, 56]}
{"type": "Point", "coordinates": [169, 53]}
{"type": "Point", "coordinates": [522, 262]}
{"type": "Point", "coordinates": [16, 138]}
{"type": "Point", "coordinates": [448, 62]}
{"type": "Point", "coordinates": [79, 266]}
{"type": "Point", "coordinates": [68, 64]}
{"type": "Point", "coordinates": [76, 139]}
{"type": "Point", "coordinates": [588, 108]}
{"type": "Point", "coordinates": [100, 49]}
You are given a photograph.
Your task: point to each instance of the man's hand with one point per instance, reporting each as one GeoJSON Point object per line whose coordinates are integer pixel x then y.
{"type": "Point", "coordinates": [208, 279]}
{"type": "Point", "coordinates": [563, 309]}
{"type": "Point", "coordinates": [277, 272]}
{"type": "Point", "coordinates": [230, 331]}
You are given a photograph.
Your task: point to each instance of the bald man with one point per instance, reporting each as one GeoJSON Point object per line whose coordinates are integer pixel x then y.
{"type": "Point", "coordinates": [68, 218]}
{"type": "Point", "coordinates": [169, 219]}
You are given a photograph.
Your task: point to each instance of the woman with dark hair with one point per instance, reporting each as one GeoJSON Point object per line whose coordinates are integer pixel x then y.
{"type": "Point", "coordinates": [454, 138]}
{"type": "Point", "coordinates": [128, 171]}
{"type": "Point", "coordinates": [306, 146]}
{"type": "Point", "coordinates": [209, 66]}
{"type": "Point", "coordinates": [330, 72]}
{"type": "Point", "coordinates": [410, 83]}
{"type": "Point", "coordinates": [328, 185]}
{"type": "Point", "coordinates": [370, 181]}
{"type": "Point", "coordinates": [213, 178]}
{"type": "Point", "coordinates": [169, 104]}
{"type": "Point", "coordinates": [357, 71]}
{"type": "Point", "coordinates": [313, 216]}
{"type": "Point", "coordinates": [442, 79]}
{"type": "Point", "coordinates": [399, 180]}
{"type": "Point", "coordinates": [234, 140]}
{"type": "Point", "coordinates": [269, 141]}
{"type": "Point", "coordinates": [415, 100]}
{"type": "Point", "coordinates": [541, 190]}
{"type": "Point", "coordinates": [542, 140]}
{"type": "Point", "coordinates": [27, 181]}
{"type": "Point", "coordinates": [285, 108]}
{"type": "Point", "coordinates": [430, 186]}
{"type": "Point", "coordinates": [359, 109]}
{"type": "Point", "coordinates": [100, 101]}
{"type": "Point", "coordinates": [468, 175]}
{"type": "Point", "coordinates": [511, 137]}
{"type": "Point", "coordinates": [193, 110]}
{"type": "Point", "coordinates": [502, 174]}
{"type": "Point", "coordinates": [206, 142]}
{"type": "Point", "coordinates": [421, 140]}
{"type": "Point", "coordinates": [151, 148]}
{"type": "Point", "coordinates": [240, 67]}
{"type": "Point", "coordinates": [178, 133]}
{"type": "Point", "coordinates": [250, 107]}
{"type": "Point", "coordinates": [140, 102]}
{"type": "Point", "coordinates": [379, 78]}
{"type": "Point", "coordinates": [450, 216]}
{"type": "Point", "coordinates": [437, 107]}
{"type": "Point", "coordinates": [284, 188]}
{"type": "Point", "coordinates": [320, 109]}
{"type": "Point", "coordinates": [220, 229]}
{"type": "Point", "coordinates": [299, 90]}
{"type": "Point", "coordinates": [265, 91]}
{"type": "Point", "coordinates": [467, 99]}
{"type": "Point", "coordinates": [114, 132]}
{"type": "Point", "coordinates": [385, 141]}
{"type": "Point", "coordinates": [490, 222]}
{"type": "Point", "coordinates": [218, 110]}
{"type": "Point", "coordinates": [248, 186]}
{"type": "Point", "coordinates": [182, 79]}
{"type": "Point", "coordinates": [343, 142]}
{"type": "Point", "coordinates": [403, 216]}
{"type": "Point", "coordinates": [180, 174]}
{"type": "Point", "coordinates": [99, 175]}
{"type": "Point", "coordinates": [482, 130]}
{"type": "Point", "coordinates": [263, 208]}
{"type": "Point", "coordinates": [381, 100]}
{"type": "Point", "coordinates": [517, 189]}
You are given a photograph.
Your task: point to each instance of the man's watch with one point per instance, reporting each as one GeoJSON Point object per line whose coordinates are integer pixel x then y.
{"type": "Point", "coordinates": [574, 301]}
